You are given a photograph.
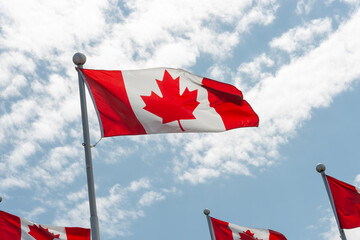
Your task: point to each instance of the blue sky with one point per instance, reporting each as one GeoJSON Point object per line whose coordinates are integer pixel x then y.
{"type": "Point", "coordinates": [297, 63]}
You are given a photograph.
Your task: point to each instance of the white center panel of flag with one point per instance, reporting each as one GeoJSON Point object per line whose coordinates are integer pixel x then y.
{"type": "Point", "coordinates": [142, 83]}
{"type": "Point", "coordinates": [262, 234]}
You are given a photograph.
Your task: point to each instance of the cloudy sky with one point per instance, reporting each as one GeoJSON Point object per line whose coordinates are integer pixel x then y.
{"type": "Point", "coordinates": [297, 63]}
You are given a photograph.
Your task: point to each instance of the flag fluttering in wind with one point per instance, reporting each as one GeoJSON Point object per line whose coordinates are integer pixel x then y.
{"type": "Point", "coordinates": [347, 202]}
{"type": "Point", "coordinates": [228, 231]}
{"type": "Point", "coordinates": [165, 100]}
{"type": "Point", "coordinates": [16, 228]}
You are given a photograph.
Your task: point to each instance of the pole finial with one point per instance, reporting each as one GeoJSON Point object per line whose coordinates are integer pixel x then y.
{"type": "Point", "coordinates": [79, 59]}
{"type": "Point", "coordinates": [0, 198]}
{"type": "Point", "coordinates": [320, 168]}
{"type": "Point", "coordinates": [206, 211]}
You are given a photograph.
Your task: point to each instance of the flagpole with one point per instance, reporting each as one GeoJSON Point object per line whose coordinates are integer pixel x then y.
{"type": "Point", "coordinates": [207, 212]}
{"type": "Point", "coordinates": [321, 169]}
{"type": "Point", "coordinates": [79, 59]}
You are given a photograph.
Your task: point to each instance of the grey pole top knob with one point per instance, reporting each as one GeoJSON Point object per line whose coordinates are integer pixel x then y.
{"type": "Point", "coordinates": [79, 59]}
{"type": "Point", "coordinates": [206, 211]}
{"type": "Point", "coordinates": [320, 168]}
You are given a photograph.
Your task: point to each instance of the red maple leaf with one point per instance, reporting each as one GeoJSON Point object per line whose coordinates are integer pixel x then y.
{"type": "Point", "coordinates": [171, 106]}
{"type": "Point", "coordinates": [40, 233]}
{"type": "Point", "coordinates": [248, 235]}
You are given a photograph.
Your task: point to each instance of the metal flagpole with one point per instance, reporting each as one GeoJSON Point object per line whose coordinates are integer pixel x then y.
{"type": "Point", "coordinates": [207, 212]}
{"type": "Point", "coordinates": [79, 59]}
{"type": "Point", "coordinates": [321, 169]}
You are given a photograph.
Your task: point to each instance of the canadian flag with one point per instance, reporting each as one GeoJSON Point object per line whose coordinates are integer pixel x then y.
{"type": "Point", "coordinates": [228, 231]}
{"type": "Point", "coordinates": [16, 228]}
{"type": "Point", "coordinates": [165, 100]}
{"type": "Point", "coordinates": [347, 202]}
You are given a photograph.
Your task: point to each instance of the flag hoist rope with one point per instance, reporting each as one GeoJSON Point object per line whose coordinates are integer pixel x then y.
{"type": "Point", "coordinates": [321, 169]}
{"type": "Point", "coordinates": [79, 59]}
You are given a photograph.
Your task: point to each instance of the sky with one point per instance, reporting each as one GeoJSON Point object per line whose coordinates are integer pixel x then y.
{"type": "Point", "coordinates": [296, 62]}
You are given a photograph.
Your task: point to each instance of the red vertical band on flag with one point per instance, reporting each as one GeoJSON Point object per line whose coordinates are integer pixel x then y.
{"type": "Point", "coordinates": [347, 203]}
{"type": "Point", "coordinates": [221, 229]}
{"type": "Point", "coordinates": [276, 235]}
{"type": "Point", "coordinates": [228, 102]}
{"type": "Point", "coordinates": [76, 233]}
{"type": "Point", "coordinates": [113, 105]}
{"type": "Point", "coordinates": [9, 227]}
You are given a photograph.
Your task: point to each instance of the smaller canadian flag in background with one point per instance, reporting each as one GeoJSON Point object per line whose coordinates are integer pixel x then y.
{"type": "Point", "coordinates": [347, 202]}
{"type": "Point", "coordinates": [16, 228]}
{"type": "Point", "coordinates": [228, 231]}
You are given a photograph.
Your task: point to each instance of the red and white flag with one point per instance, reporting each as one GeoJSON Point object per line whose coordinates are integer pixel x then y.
{"type": "Point", "coordinates": [16, 228]}
{"type": "Point", "coordinates": [163, 100]}
{"type": "Point", "coordinates": [347, 202]}
{"type": "Point", "coordinates": [228, 231]}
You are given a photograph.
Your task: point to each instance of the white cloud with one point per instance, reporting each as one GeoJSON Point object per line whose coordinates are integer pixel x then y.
{"type": "Point", "coordinates": [351, 2]}
{"type": "Point", "coordinates": [159, 33]}
{"type": "Point", "coordinates": [252, 71]}
{"type": "Point", "coordinates": [304, 6]}
{"type": "Point", "coordinates": [53, 170]}
{"type": "Point", "coordinates": [137, 185]}
{"type": "Point", "coordinates": [115, 153]}
{"type": "Point", "coordinates": [14, 66]}
{"type": "Point", "coordinates": [77, 196]}
{"type": "Point", "coordinates": [302, 37]}
{"type": "Point", "coordinates": [333, 233]}
{"type": "Point", "coordinates": [34, 213]}
{"type": "Point", "coordinates": [357, 181]}
{"type": "Point", "coordinates": [17, 158]}
{"type": "Point", "coordinates": [40, 27]}
{"type": "Point", "coordinates": [149, 198]}
{"type": "Point", "coordinates": [13, 181]}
